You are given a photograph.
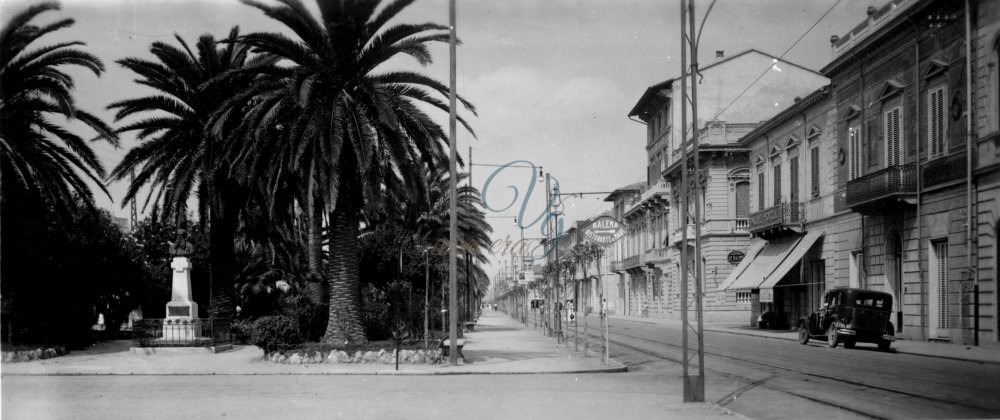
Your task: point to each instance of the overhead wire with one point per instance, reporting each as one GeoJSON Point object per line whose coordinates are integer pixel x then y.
{"type": "Point", "coordinates": [781, 57]}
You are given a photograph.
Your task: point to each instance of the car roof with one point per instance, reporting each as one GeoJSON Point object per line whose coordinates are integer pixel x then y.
{"type": "Point", "coordinates": [855, 290]}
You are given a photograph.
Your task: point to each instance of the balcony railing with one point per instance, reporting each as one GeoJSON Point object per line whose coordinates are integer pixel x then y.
{"type": "Point", "coordinates": [656, 254]}
{"type": "Point", "coordinates": [891, 182]}
{"type": "Point", "coordinates": [676, 235]}
{"type": "Point", "coordinates": [616, 266]}
{"type": "Point", "coordinates": [740, 225]}
{"type": "Point", "coordinates": [784, 215]}
{"type": "Point", "coordinates": [632, 262]}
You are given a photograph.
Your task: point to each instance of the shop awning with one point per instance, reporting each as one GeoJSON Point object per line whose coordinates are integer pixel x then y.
{"type": "Point", "coordinates": [762, 265]}
{"type": "Point", "coordinates": [748, 258]}
{"type": "Point", "coordinates": [801, 248]}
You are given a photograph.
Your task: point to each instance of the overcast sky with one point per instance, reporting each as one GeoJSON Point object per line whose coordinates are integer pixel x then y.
{"type": "Point", "coordinates": [552, 80]}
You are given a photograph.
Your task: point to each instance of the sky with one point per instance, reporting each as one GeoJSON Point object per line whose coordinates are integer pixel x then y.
{"type": "Point", "coordinates": [552, 80]}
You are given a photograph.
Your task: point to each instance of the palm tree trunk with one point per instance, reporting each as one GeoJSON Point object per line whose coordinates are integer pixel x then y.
{"type": "Point", "coordinates": [343, 273]}
{"type": "Point", "coordinates": [221, 255]}
{"type": "Point", "coordinates": [317, 289]}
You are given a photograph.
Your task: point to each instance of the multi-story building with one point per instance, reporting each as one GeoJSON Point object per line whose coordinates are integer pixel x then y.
{"type": "Point", "coordinates": [731, 102]}
{"type": "Point", "coordinates": [899, 86]}
{"type": "Point", "coordinates": [618, 251]}
{"type": "Point", "coordinates": [985, 46]}
{"type": "Point", "coordinates": [793, 168]}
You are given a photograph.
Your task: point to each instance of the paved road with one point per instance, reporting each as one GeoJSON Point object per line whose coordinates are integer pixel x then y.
{"type": "Point", "coordinates": [562, 396]}
{"type": "Point", "coordinates": [841, 383]}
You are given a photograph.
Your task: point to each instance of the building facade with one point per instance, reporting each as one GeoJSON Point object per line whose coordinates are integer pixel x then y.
{"type": "Point", "coordinates": [732, 101]}
{"type": "Point", "coordinates": [985, 47]}
{"type": "Point", "coordinates": [790, 261]}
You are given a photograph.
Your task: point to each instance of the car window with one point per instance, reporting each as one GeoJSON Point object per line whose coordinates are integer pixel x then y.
{"type": "Point", "coordinates": [871, 302]}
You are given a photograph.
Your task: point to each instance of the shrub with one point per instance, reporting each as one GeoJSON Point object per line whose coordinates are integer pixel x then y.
{"type": "Point", "coordinates": [310, 317]}
{"type": "Point", "coordinates": [242, 331]}
{"type": "Point", "coordinates": [275, 333]}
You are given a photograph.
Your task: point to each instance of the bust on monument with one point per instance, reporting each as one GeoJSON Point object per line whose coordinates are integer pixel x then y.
{"type": "Point", "coordinates": [181, 307]}
{"type": "Point", "coordinates": [181, 247]}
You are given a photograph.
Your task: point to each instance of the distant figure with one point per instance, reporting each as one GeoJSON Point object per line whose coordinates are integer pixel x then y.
{"type": "Point", "coordinates": [181, 247]}
{"type": "Point", "coordinates": [604, 308]}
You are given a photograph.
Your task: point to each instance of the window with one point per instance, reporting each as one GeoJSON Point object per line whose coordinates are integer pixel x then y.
{"type": "Point", "coordinates": [854, 151]}
{"type": "Point", "coordinates": [857, 267]}
{"type": "Point", "coordinates": [936, 121]}
{"type": "Point", "coordinates": [940, 312]}
{"type": "Point", "coordinates": [742, 199]}
{"type": "Point", "coordinates": [777, 185]}
{"type": "Point", "coordinates": [793, 179]}
{"type": "Point", "coordinates": [760, 188]}
{"type": "Point", "coordinates": [814, 171]}
{"type": "Point", "coordinates": [891, 131]}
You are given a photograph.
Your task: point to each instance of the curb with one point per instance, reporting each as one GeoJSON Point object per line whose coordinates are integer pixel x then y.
{"type": "Point", "coordinates": [612, 369]}
{"type": "Point", "coordinates": [895, 350]}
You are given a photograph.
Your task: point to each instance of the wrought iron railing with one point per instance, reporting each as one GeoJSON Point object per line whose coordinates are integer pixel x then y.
{"type": "Point", "coordinates": [894, 180]}
{"type": "Point", "coordinates": [196, 332]}
{"type": "Point", "coordinates": [939, 171]}
{"type": "Point", "coordinates": [781, 215]}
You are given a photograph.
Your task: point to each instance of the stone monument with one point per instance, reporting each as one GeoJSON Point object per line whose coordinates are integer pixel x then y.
{"type": "Point", "coordinates": [182, 312]}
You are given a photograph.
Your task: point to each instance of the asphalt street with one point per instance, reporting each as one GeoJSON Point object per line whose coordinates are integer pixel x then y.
{"type": "Point", "coordinates": [756, 377]}
{"type": "Point", "coordinates": [795, 380]}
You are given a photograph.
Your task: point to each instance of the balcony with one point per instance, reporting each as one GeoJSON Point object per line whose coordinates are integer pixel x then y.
{"type": "Point", "coordinates": [777, 219]}
{"type": "Point", "coordinates": [656, 255]}
{"type": "Point", "coordinates": [676, 235]}
{"type": "Point", "coordinates": [740, 225]}
{"type": "Point", "coordinates": [616, 266]}
{"type": "Point", "coordinates": [632, 262]}
{"type": "Point", "coordinates": [883, 190]}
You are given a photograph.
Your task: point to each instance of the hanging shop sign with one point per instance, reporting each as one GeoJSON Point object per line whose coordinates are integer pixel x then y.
{"type": "Point", "coordinates": [604, 230]}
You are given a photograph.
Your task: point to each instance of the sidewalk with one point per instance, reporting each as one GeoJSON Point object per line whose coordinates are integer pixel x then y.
{"type": "Point", "coordinates": [499, 345]}
{"type": "Point", "coordinates": [918, 348]}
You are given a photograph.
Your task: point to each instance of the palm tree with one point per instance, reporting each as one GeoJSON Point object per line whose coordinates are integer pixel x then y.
{"type": "Point", "coordinates": [363, 126]}
{"type": "Point", "coordinates": [42, 160]}
{"type": "Point", "coordinates": [177, 156]}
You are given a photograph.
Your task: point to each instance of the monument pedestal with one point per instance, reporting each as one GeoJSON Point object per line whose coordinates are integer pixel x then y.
{"type": "Point", "coordinates": [182, 322]}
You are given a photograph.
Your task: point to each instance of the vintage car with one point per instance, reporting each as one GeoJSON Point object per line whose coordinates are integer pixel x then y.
{"type": "Point", "coordinates": [851, 316]}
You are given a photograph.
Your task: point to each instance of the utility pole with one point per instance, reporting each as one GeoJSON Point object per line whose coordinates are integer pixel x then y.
{"type": "Point", "coordinates": [453, 222]}
{"type": "Point", "coordinates": [694, 385]}
{"type": "Point", "coordinates": [548, 200]}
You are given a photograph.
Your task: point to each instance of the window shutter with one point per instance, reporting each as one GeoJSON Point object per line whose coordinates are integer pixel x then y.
{"type": "Point", "coordinates": [793, 178]}
{"type": "Point", "coordinates": [814, 169]}
{"type": "Point", "coordinates": [892, 137]}
{"type": "Point", "coordinates": [777, 184]}
{"type": "Point", "coordinates": [943, 309]}
{"type": "Point", "coordinates": [742, 200]}
{"type": "Point", "coordinates": [936, 119]}
{"type": "Point", "coordinates": [760, 191]}
{"type": "Point", "coordinates": [855, 151]}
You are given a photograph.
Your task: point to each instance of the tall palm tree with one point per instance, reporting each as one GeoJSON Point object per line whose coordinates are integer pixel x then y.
{"type": "Point", "coordinates": [177, 156]}
{"type": "Point", "coordinates": [40, 157]}
{"type": "Point", "coordinates": [362, 126]}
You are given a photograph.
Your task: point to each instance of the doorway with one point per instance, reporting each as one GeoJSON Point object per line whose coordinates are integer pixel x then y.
{"type": "Point", "coordinates": [938, 288]}
{"type": "Point", "coordinates": [894, 255]}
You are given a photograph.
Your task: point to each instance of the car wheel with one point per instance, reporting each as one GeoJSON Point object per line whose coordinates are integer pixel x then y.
{"type": "Point", "coordinates": [849, 343]}
{"type": "Point", "coordinates": [831, 337]}
{"type": "Point", "coordinates": [803, 334]}
{"type": "Point", "coordinates": [883, 345]}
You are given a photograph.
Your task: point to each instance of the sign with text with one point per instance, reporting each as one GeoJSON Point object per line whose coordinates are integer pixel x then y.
{"type": "Point", "coordinates": [604, 230]}
{"type": "Point", "coordinates": [766, 295]}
